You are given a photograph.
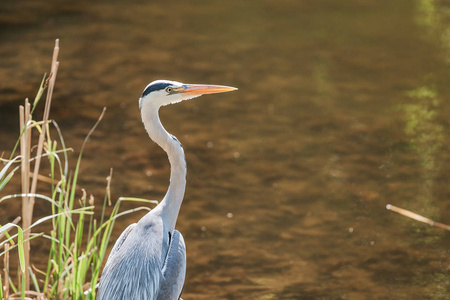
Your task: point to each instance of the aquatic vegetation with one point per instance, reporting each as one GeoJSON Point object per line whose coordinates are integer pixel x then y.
{"type": "Point", "coordinates": [80, 230]}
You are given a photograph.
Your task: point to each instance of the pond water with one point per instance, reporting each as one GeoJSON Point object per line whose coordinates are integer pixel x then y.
{"type": "Point", "coordinates": [342, 108]}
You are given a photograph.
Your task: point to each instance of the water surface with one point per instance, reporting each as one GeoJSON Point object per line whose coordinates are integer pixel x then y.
{"type": "Point", "coordinates": [342, 108]}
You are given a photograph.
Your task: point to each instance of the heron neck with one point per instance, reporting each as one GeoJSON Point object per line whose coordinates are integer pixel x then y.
{"type": "Point", "coordinates": [169, 207]}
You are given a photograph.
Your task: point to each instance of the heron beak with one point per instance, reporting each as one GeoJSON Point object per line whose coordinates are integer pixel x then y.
{"type": "Point", "coordinates": [201, 89]}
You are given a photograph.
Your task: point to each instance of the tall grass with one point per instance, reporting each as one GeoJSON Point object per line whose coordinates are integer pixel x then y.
{"type": "Point", "coordinates": [78, 238]}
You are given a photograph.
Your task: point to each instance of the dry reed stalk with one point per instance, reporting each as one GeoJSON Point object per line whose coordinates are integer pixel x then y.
{"type": "Point", "coordinates": [17, 295]}
{"type": "Point", "coordinates": [45, 179]}
{"type": "Point", "coordinates": [108, 186]}
{"type": "Point", "coordinates": [417, 217]}
{"type": "Point", "coordinates": [28, 202]}
{"type": "Point", "coordinates": [6, 270]}
{"type": "Point", "coordinates": [25, 141]}
{"type": "Point", "coordinates": [48, 101]}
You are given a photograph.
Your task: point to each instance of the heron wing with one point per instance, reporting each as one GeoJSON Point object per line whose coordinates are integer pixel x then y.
{"type": "Point", "coordinates": [174, 269]}
{"type": "Point", "coordinates": [133, 270]}
{"type": "Point", "coordinates": [123, 236]}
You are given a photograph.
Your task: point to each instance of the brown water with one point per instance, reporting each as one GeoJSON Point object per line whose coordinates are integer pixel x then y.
{"type": "Point", "coordinates": [342, 108]}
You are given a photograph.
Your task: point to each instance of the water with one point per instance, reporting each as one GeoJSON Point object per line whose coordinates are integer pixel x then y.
{"type": "Point", "coordinates": [342, 108]}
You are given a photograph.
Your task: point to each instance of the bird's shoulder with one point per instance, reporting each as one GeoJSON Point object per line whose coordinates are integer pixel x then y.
{"type": "Point", "coordinates": [123, 236]}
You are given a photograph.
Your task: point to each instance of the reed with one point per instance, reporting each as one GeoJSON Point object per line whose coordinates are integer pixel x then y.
{"type": "Point", "coordinates": [417, 217]}
{"type": "Point", "coordinates": [79, 237]}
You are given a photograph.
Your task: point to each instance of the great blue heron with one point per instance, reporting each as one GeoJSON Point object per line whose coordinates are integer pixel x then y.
{"type": "Point", "coordinates": [148, 260]}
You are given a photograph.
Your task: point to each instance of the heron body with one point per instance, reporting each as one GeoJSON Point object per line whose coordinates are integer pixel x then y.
{"type": "Point", "coordinates": [148, 260]}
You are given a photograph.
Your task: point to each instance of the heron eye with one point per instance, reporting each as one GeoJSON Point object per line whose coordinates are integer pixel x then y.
{"type": "Point", "coordinates": [169, 89]}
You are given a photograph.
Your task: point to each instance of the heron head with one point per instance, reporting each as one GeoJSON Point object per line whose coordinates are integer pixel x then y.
{"type": "Point", "coordinates": [164, 92]}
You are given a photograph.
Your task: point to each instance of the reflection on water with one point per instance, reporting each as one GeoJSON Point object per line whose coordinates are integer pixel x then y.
{"type": "Point", "coordinates": [426, 133]}
{"type": "Point", "coordinates": [427, 13]}
{"type": "Point", "coordinates": [426, 140]}
{"type": "Point", "coordinates": [342, 108]}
